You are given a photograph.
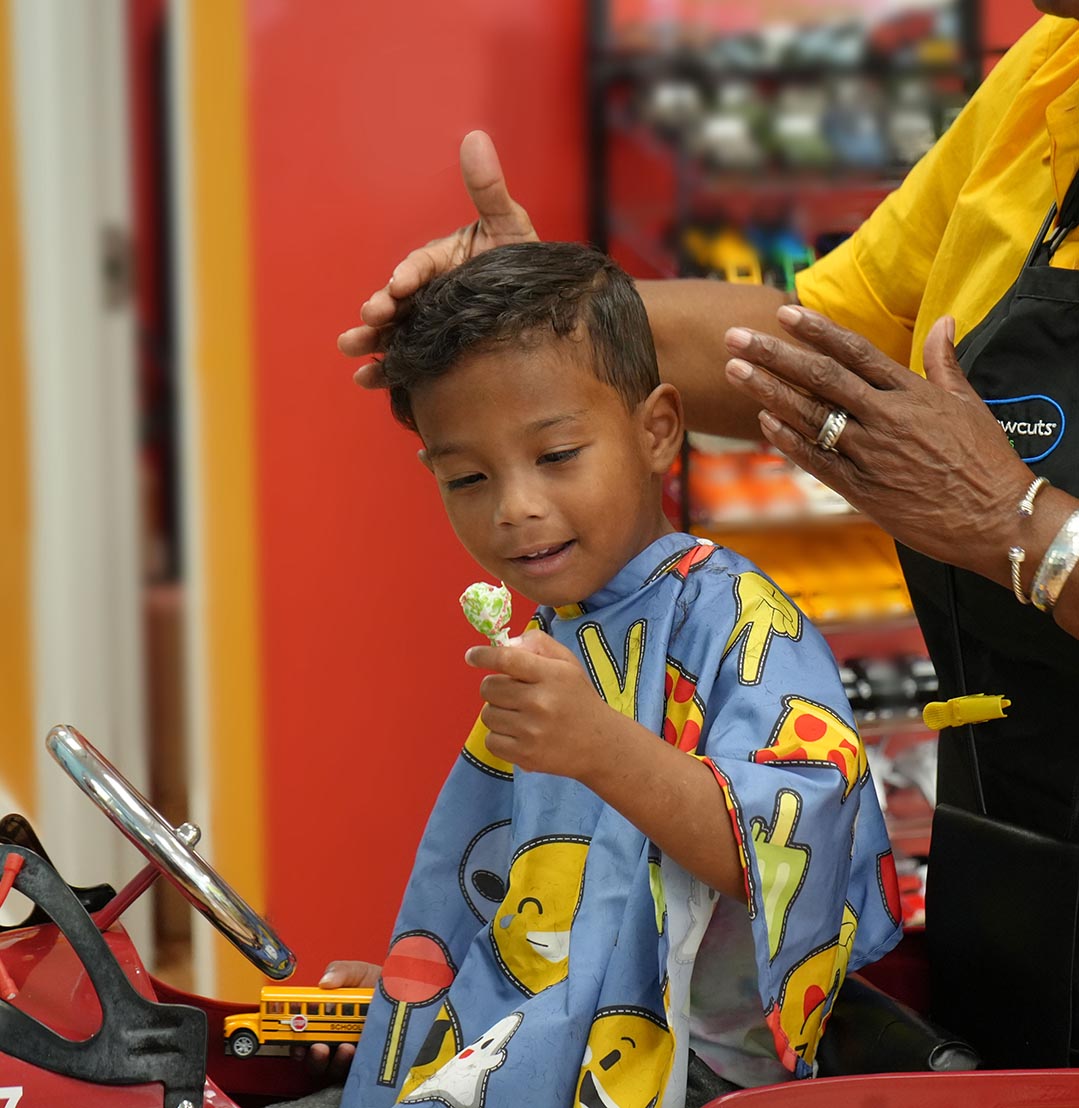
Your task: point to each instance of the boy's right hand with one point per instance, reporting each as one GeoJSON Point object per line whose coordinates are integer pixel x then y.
{"type": "Point", "coordinates": [323, 1061]}
{"type": "Point", "coordinates": [501, 220]}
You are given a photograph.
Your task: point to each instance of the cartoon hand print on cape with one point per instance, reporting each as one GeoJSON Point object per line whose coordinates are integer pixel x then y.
{"type": "Point", "coordinates": [701, 901]}
{"type": "Point", "coordinates": [619, 689]}
{"type": "Point", "coordinates": [809, 991]}
{"type": "Point", "coordinates": [782, 864]}
{"type": "Point", "coordinates": [763, 611]}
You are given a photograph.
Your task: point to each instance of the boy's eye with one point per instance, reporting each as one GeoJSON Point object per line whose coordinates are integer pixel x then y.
{"type": "Point", "coordinates": [464, 482]}
{"type": "Point", "coordinates": [557, 456]}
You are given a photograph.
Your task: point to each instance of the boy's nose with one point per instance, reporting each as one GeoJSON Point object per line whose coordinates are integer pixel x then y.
{"type": "Point", "coordinates": [519, 501]}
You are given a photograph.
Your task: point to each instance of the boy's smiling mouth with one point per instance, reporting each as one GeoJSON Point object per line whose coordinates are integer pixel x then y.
{"type": "Point", "coordinates": [544, 555]}
{"type": "Point", "coordinates": [542, 562]}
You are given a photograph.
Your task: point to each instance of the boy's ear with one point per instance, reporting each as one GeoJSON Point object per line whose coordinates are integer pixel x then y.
{"type": "Point", "coordinates": [663, 425]}
{"type": "Point", "coordinates": [424, 460]}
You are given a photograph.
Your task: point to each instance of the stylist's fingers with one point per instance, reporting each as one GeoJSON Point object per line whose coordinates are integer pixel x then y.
{"type": "Point", "coordinates": [811, 372]}
{"type": "Point", "coordinates": [797, 410]}
{"type": "Point", "coordinates": [416, 270]}
{"type": "Point", "coordinates": [941, 365]}
{"type": "Point", "coordinates": [501, 219]}
{"type": "Point", "coordinates": [847, 348]}
{"type": "Point", "coordinates": [359, 342]}
{"type": "Point", "coordinates": [836, 470]}
{"type": "Point", "coordinates": [370, 376]}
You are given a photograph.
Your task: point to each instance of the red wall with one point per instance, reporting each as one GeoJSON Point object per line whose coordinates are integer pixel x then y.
{"type": "Point", "coordinates": [357, 110]}
{"type": "Point", "coordinates": [1005, 21]}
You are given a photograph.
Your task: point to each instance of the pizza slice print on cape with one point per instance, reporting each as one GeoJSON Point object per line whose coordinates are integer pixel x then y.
{"type": "Point", "coordinates": [684, 715]}
{"type": "Point", "coordinates": [809, 734]}
{"type": "Point", "coordinates": [763, 613]}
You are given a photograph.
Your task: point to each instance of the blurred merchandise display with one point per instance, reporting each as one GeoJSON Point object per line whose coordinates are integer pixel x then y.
{"type": "Point", "coordinates": [713, 248]}
{"type": "Point", "coordinates": [741, 142]}
{"type": "Point", "coordinates": [736, 487]}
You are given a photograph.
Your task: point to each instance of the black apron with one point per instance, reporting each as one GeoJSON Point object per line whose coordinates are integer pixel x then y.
{"type": "Point", "coordinates": [1023, 360]}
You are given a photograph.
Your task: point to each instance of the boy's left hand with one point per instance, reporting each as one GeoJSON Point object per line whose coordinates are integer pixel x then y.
{"type": "Point", "coordinates": [542, 710]}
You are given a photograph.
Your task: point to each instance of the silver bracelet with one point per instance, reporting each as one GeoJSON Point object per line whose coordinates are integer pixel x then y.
{"type": "Point", "coordinates": [1026, 505]}
{"type": "Point", "coordinates": [1016, 554]}
{"type": "Point", "coordinates": [1060, 559]}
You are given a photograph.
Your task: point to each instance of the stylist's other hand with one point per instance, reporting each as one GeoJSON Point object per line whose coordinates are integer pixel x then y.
{"type": "Point", "coordinates": [923, 457]}
{"type": "Point", "coordinates": [325, 1062]}
{"type": "Point", "coordinates": [501, 220]}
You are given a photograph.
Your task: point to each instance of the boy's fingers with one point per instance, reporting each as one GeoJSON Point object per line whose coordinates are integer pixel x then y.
{"type": "Point", "coordinates": [346, 974]}
{"type": "Point", "coordinates": [525, 658]}
{"type": "Point", "coordinates": [522, 665]}
{"type": "Point", "coordinates": [341, 1061]}
{"type": "Point", "coordinates": [541, 644]}
{"type": "Point", "coordinates": [504, 692]}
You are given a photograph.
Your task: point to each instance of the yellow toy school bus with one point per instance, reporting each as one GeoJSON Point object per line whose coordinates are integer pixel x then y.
{"type": "Point", "coordinates": [290, 1016]}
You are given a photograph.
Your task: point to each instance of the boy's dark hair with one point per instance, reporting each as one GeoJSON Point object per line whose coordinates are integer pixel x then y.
{"type": "Point", "coordinates": [524, 295]}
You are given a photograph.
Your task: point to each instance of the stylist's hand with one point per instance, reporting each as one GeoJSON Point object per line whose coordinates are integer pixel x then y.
{"type": "Point", "coordinates": [924, 458]}
{"type": "Point", "coordinates": [326, 1062]}
{"type": "Point", "coordinates": [501, 220]}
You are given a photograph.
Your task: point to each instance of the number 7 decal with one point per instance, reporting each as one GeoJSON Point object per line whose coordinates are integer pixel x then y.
{"type": "Point", "coordinates": [10, 1095]}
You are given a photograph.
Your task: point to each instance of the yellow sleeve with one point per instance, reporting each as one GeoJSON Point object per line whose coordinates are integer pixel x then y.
{"type": "Point", "coordinates": [873, 283]}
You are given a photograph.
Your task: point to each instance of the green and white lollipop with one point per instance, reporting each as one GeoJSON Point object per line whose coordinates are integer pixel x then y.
{"type": "Point", "coordinates": [488, 609]}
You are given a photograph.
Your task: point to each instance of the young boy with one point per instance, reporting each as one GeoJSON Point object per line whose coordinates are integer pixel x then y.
{"type": "Point", "coordinates": [661, 832]}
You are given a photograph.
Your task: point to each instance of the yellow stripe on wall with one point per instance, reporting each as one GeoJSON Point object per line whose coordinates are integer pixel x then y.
{"type": "Point", "coordinates": [17, 739]}
{"type": "Point", "coordinates": [221, 347]}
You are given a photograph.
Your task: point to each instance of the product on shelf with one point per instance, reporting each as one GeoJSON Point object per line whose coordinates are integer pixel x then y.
{"type": "Point", "coordinates": [798, 127]}
{"type": "Point", "coordinates": [910, 122]}
{"type": "Point", "coordinates": [728, 136]}
{"type": "Point", "coordinates": [853, 124]}
{"type": "Point", "coordinates": [781, 246]}
{"type": "Point", "coordinates": [718, 249]}
{"type": "Point", "coordinates": [672, 104]}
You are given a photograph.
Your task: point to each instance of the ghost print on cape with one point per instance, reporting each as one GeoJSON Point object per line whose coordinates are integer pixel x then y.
{"type": "Point", "coordinates": [544, 947]}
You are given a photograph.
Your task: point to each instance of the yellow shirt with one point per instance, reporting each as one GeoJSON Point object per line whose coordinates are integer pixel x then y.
{"type": "Point", "coordinates": [953, 237]}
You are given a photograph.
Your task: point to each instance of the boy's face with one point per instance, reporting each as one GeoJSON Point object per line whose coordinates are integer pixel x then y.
{"type": "Point", "coordinates": [551, 484]}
